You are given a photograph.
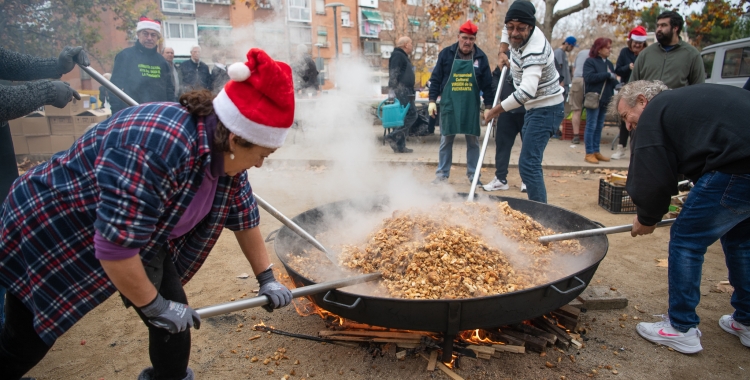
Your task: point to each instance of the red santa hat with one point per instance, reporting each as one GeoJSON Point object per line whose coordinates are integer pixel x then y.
{"type": "Point", "coordinates": [257, 104]}
{"type": "Point", "coordinates": [469, 28]}
{"type": "Point", "coordinates": [147, 23]}
{"type": "Point", "coordinates": [638, 34]}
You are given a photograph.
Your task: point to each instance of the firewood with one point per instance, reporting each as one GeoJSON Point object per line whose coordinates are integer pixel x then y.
{"type": "Point", "coordinates": [533, 331]}
{"type": "Point", "coordinates": [401, 355]}
{"type": "Point", "coordinates": [567, 321]}
{"type": "Point", "coordinates": [483, 356]}
{"type": "Point", "coordinates": [378, 334]}
{"type": "Point", "coordinates": [507, 339]}
{"type": "Point", "coordinates": [576, 343]}
{"type": "Point", "coordinates": [549, 326]}
{"type": "Point", "coordinates": [487, 350]}
{"type": "Point", "coordinates": [432, 362]}
{"type": "Point", "coordinates": [570, 311]}
{"type": "Point", "coordinates": [532, 343]}
{"type": "Point", "coordinates": [443, 368]}
{"type": "Point", "coordinates": [508, 348]}
{"type": "Point", "coordinates": [407, 345]}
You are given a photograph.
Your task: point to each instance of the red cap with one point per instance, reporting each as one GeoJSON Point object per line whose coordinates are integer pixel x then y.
{"type": "Point", "coordinates": [469, 28]}
{"type": "Point", "coordinates": [638, 34]}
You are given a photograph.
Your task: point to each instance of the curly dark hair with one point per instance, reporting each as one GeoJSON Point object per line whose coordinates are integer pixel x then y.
{"type": "Point", "coordinates": [200, 104]}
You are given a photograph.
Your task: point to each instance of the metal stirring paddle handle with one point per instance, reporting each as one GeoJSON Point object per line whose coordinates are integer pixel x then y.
{"type": "Point", "coordinates": [597, 231]}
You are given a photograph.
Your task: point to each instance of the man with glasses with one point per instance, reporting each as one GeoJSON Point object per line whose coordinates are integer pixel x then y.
{"type": "Point", "coordinates": [538, 89]}
{"type": "Point", "coordinates": [461, 71]}
{"type": "Point", "coordinates": [140, 71]}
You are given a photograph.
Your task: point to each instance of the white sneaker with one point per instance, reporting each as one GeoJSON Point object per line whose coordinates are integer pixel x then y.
{"type": "Point", "coordinates": [663, 333]}
{"type": "Point", "coordinates": [619, 154]}
{"type": "Point", "coordinates": [728, 324]}
{"type": "Point", "coordinates": [496, 184]}
{"type": "Point", "coordinates": [523, 187]}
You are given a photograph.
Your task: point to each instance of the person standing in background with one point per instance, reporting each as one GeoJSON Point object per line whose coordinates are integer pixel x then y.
{"type": "Point", "coordinates": [305, 71]}
{"type": "Point", "coordinates": [219, 76]}
{"type": "Point", "coordinates": [195, 73]}
{"type": "Point", "coordinates": [599, 75]}
{"type": "Point", "coordinates": [168, 54]}
{"type": "Point", "coordinates": [575, 99]}
{"type": "Point", "coordinates": [401, 87]}
{"type": "Point", "coordinates": [624, 67]}
{"type": "Point", "coordinates": [561, 64]}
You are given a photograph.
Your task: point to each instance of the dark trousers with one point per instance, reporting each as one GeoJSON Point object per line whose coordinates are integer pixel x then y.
{"type": "Point", "coordinates": [21, 348]}
{"type": "Point", "coordinates": [624, 134]}
{"type": "Point", "coordinates": [509, 125]}
{"type": "Point", "coordinates": [397, 137]}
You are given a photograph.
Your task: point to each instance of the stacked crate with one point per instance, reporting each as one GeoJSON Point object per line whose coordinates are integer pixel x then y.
{"type": "Point", "coordinates": [567, 129]}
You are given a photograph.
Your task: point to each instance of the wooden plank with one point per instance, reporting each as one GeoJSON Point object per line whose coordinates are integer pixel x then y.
{"type": "Point", "coordinates": [532, 343]}
{"type": "Point", "coordinates": [378, 334]}
{"type": "Point", "coordinates": [537, 332]}
{"type": "Point", "coordinates": [401, 355]}
{"type": "Point", "coordinates": [549, 326]}
{"type": "Point", "coordinates": [570, 311]}
{"type": "Point", "coordinates": [512, 340]}
{"type": "Point", "coordinates": [508, 348]}
{"type": "Point", "coordinates": [487, 350]}
{"type": "Point", "coordinates": [432, 362]}
{"type": "Point", "coordinates": [568, 322]}
{"type": "Point", "coordinates": [407, 345]}
{"type": "Point", "coordinates": [444, 368]}
{"type": "Point", "coordinates": [483, 356]}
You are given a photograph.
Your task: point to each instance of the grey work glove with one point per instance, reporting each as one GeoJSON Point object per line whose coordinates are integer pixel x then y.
{"type": "Point", "coordinates": [278, 294]}
{"type": "Point", "coordinates": [613, 76]}
{"type": "Point", "coordinates": [70, 56]}
{"type": "Point", "coordinates": [172, 316]}
{"type": "Point", "coordinates": [63, 94]}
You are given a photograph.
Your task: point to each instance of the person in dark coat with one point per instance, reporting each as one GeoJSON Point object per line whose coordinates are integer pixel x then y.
{"type": "Point", "coordinates": [624, 67]}
{"type": "Point", "coordinates": [599, 77]}
{"type": "Point", "coordinates": [401, 85]}
{"type": "Point", "coordinates": [140, 71]}
{"type": "Point", "coordinates": [701, 132]}
{"type": "Point", "coordinates": [22, 99]}
{"type": "Point", "coordinates": [305, 71]}
{"type": "Point", "coordinates": [219, 76]}
{"type": "Point", "coordinates": [195, 74]}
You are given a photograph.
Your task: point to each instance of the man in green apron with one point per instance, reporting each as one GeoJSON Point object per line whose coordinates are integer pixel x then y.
{"type": "Point", "coordinates": [461, 72]}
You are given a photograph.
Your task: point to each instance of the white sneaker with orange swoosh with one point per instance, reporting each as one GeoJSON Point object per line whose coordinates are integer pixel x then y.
{"type": "Point", "coordinates": [663, 333]}
{"type": "Point", "coordinates": [728, 324]}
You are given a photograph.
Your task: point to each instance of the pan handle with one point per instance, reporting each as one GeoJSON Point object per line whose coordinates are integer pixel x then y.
{"type": "Point", "coordinates": [573, 289]}
{"type": "Point", "coordinates": [272, 235]}
{"type": "Point", "coordinates": [352, 306]}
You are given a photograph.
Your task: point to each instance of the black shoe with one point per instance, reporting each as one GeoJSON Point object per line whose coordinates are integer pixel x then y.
{"type": "Point", "coordinates": [439, 180]}
{"type": "Point", "coordinates": [405, 150]}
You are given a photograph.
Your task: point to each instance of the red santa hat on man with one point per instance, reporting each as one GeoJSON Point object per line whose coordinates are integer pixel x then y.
{"type": "Point", "coordinates": [638, 34]}
{"type": "Point", "coordinates": [147, 23]}
{"type": "Point", "coordinates": [258, 103]}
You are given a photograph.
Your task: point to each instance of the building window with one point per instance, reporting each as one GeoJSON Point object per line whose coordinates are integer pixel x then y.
{"type": "Point", "coordinates": [372, 21]}
{"type": "Point", "coordinates": [322, 36]}
{"type": "Point", "coordinates": [413, 2]}
{"type": "Point", "coordinates": [320, 7]}
{"type": "Point", "coordinates": [186, 6]}
{"type": "Point", "coordinates": [346, 17]}
{"type": "Point", "coordinates": [299, 10]}
{"type": "Point", "coordinates": [372, 48]}
{"type": "Point", "coordinates": [180, 30]}
{"type": "Point", "coordinates": [299, 35]}
{"type": "Point", "coordinates": [387, 21]}
{"type": "Point", "coordinates": [386, 50]}
{"type": "Point", "coordinates": [346, 47]}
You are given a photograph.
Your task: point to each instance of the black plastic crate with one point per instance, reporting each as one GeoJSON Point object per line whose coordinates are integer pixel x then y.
{"type": "Point", "coordinates": [615, 199]}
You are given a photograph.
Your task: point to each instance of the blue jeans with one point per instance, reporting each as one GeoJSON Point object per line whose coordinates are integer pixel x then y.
{"type": "Point", "coordinates": [445, 155]}
{"type": "Point", "coordinates": [592, 137]}
{"type": "Point", "coordinates": [539, 125]}
{"type": "Point", "coordinates": [718, 207]}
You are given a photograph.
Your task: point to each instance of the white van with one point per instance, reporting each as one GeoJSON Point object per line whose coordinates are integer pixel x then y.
{"type": "Point", "coordinates": [727, 62]}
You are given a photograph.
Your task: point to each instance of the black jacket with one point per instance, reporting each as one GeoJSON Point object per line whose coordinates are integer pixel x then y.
{"type": "Point", "coordinates": [195, 76]}
{"type": "Point", "coordinates": [219, 78]}
{"type": "Point", "coordinates": [691, 130]}
{"type": "Point", "coordinates": [441, 73]}
{"type": "Point", "coordinates": [306, 73]}
{"type": "Point", "coordinates": [622, 67]}
{"type": "Point", "coordinates": [596, 71]}
{"type": "Point", "coordinates": [401, 74]}
{"type": "Point", "coordinates": [143, 74]}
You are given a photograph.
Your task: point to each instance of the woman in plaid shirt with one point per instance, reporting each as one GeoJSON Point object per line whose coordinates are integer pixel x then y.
{"type": "Point", "coordinates": [135, 206]}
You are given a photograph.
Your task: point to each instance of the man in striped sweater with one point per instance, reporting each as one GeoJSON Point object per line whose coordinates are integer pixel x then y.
{"type": "Point", "coordinates": [538, 89]}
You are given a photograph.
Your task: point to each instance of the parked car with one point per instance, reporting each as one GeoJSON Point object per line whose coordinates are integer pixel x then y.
{"type": "Point", "coordinates": [727, 62]}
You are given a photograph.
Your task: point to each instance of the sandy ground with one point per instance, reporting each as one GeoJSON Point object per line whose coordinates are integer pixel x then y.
{"type": "Point", "coordinates": [111, 342]}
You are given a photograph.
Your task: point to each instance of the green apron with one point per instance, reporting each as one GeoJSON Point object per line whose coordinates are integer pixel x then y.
{"type": "Point", "coordinates": [459, 101]}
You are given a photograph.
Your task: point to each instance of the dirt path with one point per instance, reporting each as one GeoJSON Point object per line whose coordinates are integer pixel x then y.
{"type": "Point", "coordinates": [111, 343]}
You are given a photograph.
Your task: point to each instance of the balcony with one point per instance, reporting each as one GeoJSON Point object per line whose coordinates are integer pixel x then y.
{"type": "Point", "coordinates": [178, 6]}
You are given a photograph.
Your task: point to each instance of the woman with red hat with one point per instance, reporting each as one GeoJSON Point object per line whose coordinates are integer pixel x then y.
{"type": "Point", "coordinates": [135, 206]}
{"type": "Point", "coordinates": [624, 67]}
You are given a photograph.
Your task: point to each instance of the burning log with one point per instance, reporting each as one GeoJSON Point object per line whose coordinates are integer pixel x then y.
{"type": "Point", "coordinates": [507, 339]}
{"type": "Point", "coordinates": [533, 331]}
{"type": "Point", "coordinates": [570, 323]}
{"type": "Point", "coordinates": [532, 343]}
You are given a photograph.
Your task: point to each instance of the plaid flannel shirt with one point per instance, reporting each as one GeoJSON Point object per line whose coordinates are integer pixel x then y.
{"type": "Point", "coordinates": [130, 177]}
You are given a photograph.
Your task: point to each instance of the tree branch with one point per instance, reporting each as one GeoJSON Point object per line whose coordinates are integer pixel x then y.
{"type": "Point", "coordinates": [570, 10]}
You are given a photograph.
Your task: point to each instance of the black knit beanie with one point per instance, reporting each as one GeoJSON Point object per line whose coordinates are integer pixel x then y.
{"type": "Point", "coordinates": [523, 11]}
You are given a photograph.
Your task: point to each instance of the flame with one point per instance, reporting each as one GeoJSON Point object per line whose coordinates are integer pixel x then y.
{"type": "Point", "coordinates": [554, 319]}
{"type": "Point", "coordinates": [478, 337]}
{"type": "Point", "coordinates": [305, 307]}
{"type": "Point", "coordinates": [452, 362]}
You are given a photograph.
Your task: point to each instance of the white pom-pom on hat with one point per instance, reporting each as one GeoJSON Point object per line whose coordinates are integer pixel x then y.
{"type": "Point", "coordinates": [238, 72]}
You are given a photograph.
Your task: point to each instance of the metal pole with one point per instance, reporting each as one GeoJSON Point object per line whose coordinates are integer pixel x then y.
{"type": "Point", "coordinates": [597, 231]}
{"type": "Point", "coordinates": [109, 85]}
{"type": "Point", "coordinates": [224, 308]}
{"type": "Point", "coordinates": [477, 173]}
{"type": "Point", "coordinates": [336, 33]}
{"type": "Point", "coordinates": [261, 202]}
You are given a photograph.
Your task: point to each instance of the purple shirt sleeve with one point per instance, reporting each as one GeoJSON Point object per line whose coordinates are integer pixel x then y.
{"type": "Point", "coordinates": [106, 250]}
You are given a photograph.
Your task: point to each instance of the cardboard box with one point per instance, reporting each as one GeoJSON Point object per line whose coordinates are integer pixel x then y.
{"type": "Point", "coordinates": [16, 129]}
{"type": "Point", "coordinates": [39, 144]}
{"type": "Point", "coordinates": [19, 145]}
{"type": "Point", "coordinates": [61, 125]}
{"type": "Point", "coordinates": [73, 108]}
{"type": "Point", "coordinates": [35, 124]}
{"type": "Point", "coordinates": [84, 119]}
{"type": "Point", "coordinates": [60, 143]}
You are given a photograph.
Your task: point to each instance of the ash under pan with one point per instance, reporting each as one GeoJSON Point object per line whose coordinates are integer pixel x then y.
{"type": "Point", "coordinates": [447, 316]}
